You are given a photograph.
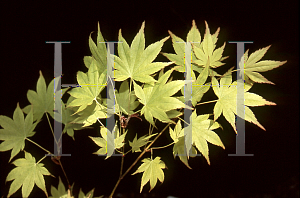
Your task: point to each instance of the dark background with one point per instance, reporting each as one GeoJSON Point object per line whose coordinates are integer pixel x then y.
{"type": "Point", "coordinates": [26, 26]}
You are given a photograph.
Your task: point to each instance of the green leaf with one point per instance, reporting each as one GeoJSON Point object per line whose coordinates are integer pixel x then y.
{"type": "Point", "coordinates": [26, 174]}
{"type": "Point", "coordinates": [207, 50]}
{"type": "Point", "coordinates": [123, 100]}
{"type": "Point", "coordinates": [135, 62]}
{"type": "Point", "coordinates": [102, 141]}
{"type": "Point", "coordinates": [43, 99]}
{"type": "Point", "coordinates": [68, 118]}
{"type": "Point", "coordinates": [179, 47]}
{"type": "Point", "coordinates": [91, 84]}
{"type": "Point", "coordinates": [136, 144]}
{"type": "Point", "coordinates": [156, 99]}
{"type": "Point", "coordinates": [99, 53]}
{"type": "Point", "coordinates": [15, 131]}
{"type": "Point", "coordinates": [179, 147]}
{"type": "Point", "coordinates": [202, 133]}
{"type": "Point", "coordinates": [152, 170]}
{"type": "Point", "coordinates": [90, 114]}
{"type": "Point", "coordinates": [252, 66]}
{"type": "Point", "coordinates": [197, 63]}
{"type": "Point", "coordinates": [199, 88]}
{"type": "Point", "coordinates": [60, 191]}
{"type": "Point", "coordinates": [88, 195]}
{"type": "Point", "coordinates": [226, 104]}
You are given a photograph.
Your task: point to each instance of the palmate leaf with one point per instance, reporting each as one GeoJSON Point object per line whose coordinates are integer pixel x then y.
{"type": "Point", "coordinates": [179, 46]}
{"type": "Point", "coordinates": [202, 133]}
{"type": "Point", "coordinates": [123, 100]}
{"type": "Point", "coordinates": [91, 86]}
{"type": "Point", "coordinates": [252, 66]}
{"type": "Point", "coordinates": [136, 144]}
{"type": "Point", "coordinates": [135, 62]}
{"type": "Point", "coordinates": [98, 51]}
{"type": "Point", "coordinates": [199, 88]}
{"type": "Point", "coordinates": [152, 170]}
{"type": "Point", "coordinates": [90, 114]}
{"type": "Point", "coordinates": [156, 99]}
{"type": "Point", "coordinates": [26, 174]}
{"type": "Point", "coordinates": [15, 131]}
{"type": "Point", "coordinates": [227, 102]}
{"type": "Point", "coordinates": [60, 191]}
{"type": "Point", "coordinates": [88, 195]}
{"type": "Point", "coordinates": [179, 147]}
{"type": "Point", "coordinates": [207, 50]}
{"type": "Point", "coordinates": [43, 99]}
{"type": "Point", "coordinates": [67, 120]}
{"type": "Point", "coordinates": [106, 138]}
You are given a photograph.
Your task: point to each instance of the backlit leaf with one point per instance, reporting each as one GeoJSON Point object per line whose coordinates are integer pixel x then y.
{"type": "Point", "coordinates": [152, 170]}
{"type": "Point", "coordinates": [202, 133]}
{"type": "Point", "coordinates": [227, 102]}
{"type": "Point", "coordinates": [136, 144]}
{"type": "Point", "coordinates": [103, 140]}
{"type": "Point", "coordinates": [252, 66]}
{"type": "Point", "coordinates": [135, 62]}
{"type": "Point", "coordinates": [91, 86]}
{"type": "Point", "coordinates": [157, 99]}
{"type": "Point", "coordinates": [15, 131]}
{"type": "Point", "coordinates": [26, 174]}
{"type": "Point", "coordinates": [43, 99]}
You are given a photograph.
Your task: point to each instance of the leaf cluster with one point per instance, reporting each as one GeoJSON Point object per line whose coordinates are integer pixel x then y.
{"type": "Point", "coordinates": [146, 91]}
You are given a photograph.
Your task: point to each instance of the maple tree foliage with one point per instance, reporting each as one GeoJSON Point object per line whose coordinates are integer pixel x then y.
{"type": "Point", "coordinates": [144, 95]}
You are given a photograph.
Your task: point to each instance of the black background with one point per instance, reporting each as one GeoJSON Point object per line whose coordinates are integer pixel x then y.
{"type": "Point", "coordinates": [26, 26]}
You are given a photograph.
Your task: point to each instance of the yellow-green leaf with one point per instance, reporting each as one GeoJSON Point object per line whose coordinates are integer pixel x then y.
{"type": "Point", "coordinates": [136, 144]}
{"type": "Point", "coordinates": [136, 62]}
{"type": "Point", "coordinates": [157, 99]}
{"type": "Point", "coordinates": [43, 99]}
{"type": "Point", "coordinates": [102, 141]}
{"type": "Point", "coordinates": [15, 131]}
{"type": "Point", "coordinates": [227, 102]}
{"type": "Point", "coordinates": [91, 86]}
{"type": "Point", "coordinates": [252, 66]}
{"type": "Point", "coordinates": [152, 170]}
{"type": "Point", "coordinates": [26, 174]}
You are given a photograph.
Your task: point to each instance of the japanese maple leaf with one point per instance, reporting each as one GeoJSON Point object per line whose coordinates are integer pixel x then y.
{"type": "Point", "coordinates": [60, 191]}
{"type": "Point", "coordinates": [207, 50]}
{"type": "Point", "coordinates": [126, 106]}
{"type": "Point", "coordinates": [26, 174]}
{"type": "Point", "coordinates": [202, 132]}
{"type": "Point", "coordinates": [43, 99]}
{"type": "Point", "coordinates": [107, 138]}
{"type": "Point", "coordinates": [227, 102]}
{"type": "Point", "coordinates": [91, 86]}
{"type": "Point", "coordinates": [201, 50]}
{"type": "Point", "coordinates": [179, 148]}
{"type": "Point", "coordinates": [135, 62]}
{"type": "Point", "coordinates": [252, 66]}
{"type": "Point", "coordinates": [99, 52]}
{"type": "Point", "coordinates": [152, 170]}
{"type": "Point", "coordinates": [15, 131]}
{"type": "Point", "coordinates": [156, 99]}
{"type": "Point", "coordinates": [136, 144]}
